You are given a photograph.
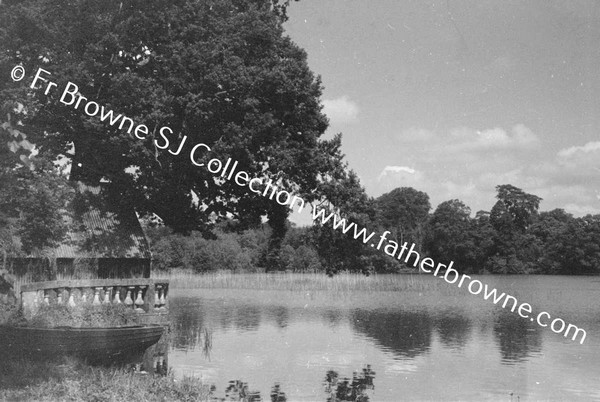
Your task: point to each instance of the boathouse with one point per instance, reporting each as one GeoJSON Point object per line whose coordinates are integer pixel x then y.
{"type": "Point", "coordinates": [103, 241]}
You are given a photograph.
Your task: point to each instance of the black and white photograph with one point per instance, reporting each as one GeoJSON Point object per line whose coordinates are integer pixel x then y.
{"type": "Point", "coordinates": [299, 200]}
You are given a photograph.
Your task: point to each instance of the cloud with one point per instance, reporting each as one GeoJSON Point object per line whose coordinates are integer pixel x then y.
{"type": "Point", "coordinates": [587, 148]}
{"type": "Point", "coordinates": [520, 137]}
{"type": "Point", "coordinates": [577, 164]}
{"type": "Point", "coordinates": [395, 169]}
{"type": "Point", "coordinates": [341, 110]}
{"type": "Point", "coordinates": [468, 164]}
{"type": "Point", "coordinates": [581, 210]}
{"type": "Point", "coordinates": [401, 176]}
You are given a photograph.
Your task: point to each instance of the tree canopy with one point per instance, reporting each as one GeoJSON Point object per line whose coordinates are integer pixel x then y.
{"type": "Point", "coordinates": [33, 195]}
{"type": "Point", "coordinates": [404, 212]}
{"type": "Point", "coordinates": [220, 73]}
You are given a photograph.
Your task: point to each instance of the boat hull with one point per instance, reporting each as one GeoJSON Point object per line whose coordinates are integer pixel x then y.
{"type": "Point", "coordinates": [83, 342]}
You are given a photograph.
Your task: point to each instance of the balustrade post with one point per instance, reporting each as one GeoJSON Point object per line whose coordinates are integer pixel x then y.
{"type": "Point", "coordinates": [96, 301]}
{"type": "Point", "coordinates": [128, 301]}
{"type": "Point", "coordinates": [71, 301]}
{"type": "Point", "coordinates": [117, 298]}
{"type": "Point", "coordinates": [157, 292]}
{"type": "Point", "coordinates": [139, 301]}
{"type": "Point", "coordinates": [107, 295]}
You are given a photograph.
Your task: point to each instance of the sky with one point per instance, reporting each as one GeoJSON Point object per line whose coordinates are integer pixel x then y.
{"type": "Point", "coordinates": [456, 97]}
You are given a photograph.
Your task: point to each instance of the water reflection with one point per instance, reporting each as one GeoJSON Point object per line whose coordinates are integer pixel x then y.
{"type": "Point", "coordinates": [278, 314]}
{"type": "Point", "coordinates": [336, 389]}
{"type": "Point", "coordinates": [406, 333]}
{"type": "Point", "coordinates": [456, 353]}
{"type": "Point", "coordinates": [333, 317]}
{"type": "Point", "coordinates": [187, 321]}
{"type": "Point", "coordinates": [453, 329]}
{"type": "Point", "coordinates": [239, 391]}
{"type": "Point", "coordinates": [517, 337]}
{"type": "Point", "coordinates": [277, 395]}
{"type": "Point", "coordinates": [346, 390]}
{"type": "Point", "coordinates": [245, 317]}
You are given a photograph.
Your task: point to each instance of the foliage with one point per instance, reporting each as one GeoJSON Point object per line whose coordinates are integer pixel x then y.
{"type": "Point", "coordinates": [448, 235]}
{"type": "Point", "coordinates": [514, 238]}
{"type": "Point", "coordinates": [73, 380]}
{"type": "Point", "coordinates": [515, 249]}
{"type": "Point", "coordinates": [228, 251]}
{"type": "Point", "coordinates": [515, 209]}
{"type": "Point", "coordinates": [238, 390]}
{"type": "Point", "coordinates": [33, 195]}
{"type": "Point", "coordinates": [277, 395]}
{"type": "Point", "coordinates": [578, 249]}
{"type": "Point", "coordinates": [231, 251]}
{"type": "Point", "coordinates": [404, 211]}
{"type": "Point", "coordinates": [10, 314]}
{"type": "Point", "coordinates": [553, 243]}
{"type": "Point", "coordinates": [483, 239]}
{"type": "Point", "coordinates": [354, 390]}
{"type": "Point", "coordinates": [218, 72]}
{"type": "Point", "coordinates": [550, 229]}
{"type": "Point", "coordinates": [338, 251]}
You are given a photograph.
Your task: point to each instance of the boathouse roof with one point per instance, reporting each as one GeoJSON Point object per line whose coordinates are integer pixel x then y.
{"type": "Point", "coordinates": [99, 230]}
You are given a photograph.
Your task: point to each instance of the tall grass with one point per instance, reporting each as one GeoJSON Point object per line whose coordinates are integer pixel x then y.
{"type": "Point", "coordinates": [344, 282]}
{"type": "Point", "coordinates": [71, 380]}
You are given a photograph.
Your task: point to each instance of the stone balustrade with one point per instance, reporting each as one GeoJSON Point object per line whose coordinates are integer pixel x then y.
{"type": "Point", "coordinates": [149, 297]}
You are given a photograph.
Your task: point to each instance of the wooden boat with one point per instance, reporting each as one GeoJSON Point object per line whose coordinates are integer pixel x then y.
{"type": "Point", "coordinates": [93, 343]}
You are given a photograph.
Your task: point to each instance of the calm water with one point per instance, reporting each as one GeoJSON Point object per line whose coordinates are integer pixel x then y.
{"type": "Point", "coordinates": [416, 353]}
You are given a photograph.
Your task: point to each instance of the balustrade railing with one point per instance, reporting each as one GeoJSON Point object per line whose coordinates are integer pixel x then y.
{"type": "Point", "coordinates": [149, 297]}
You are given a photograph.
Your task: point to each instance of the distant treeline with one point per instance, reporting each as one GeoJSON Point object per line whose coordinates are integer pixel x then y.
{"type": "Point", "coordinates": [513, 237]}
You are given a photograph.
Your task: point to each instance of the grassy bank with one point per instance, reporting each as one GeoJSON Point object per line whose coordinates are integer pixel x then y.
{"type": "Point", "coordinates": [71, 380]}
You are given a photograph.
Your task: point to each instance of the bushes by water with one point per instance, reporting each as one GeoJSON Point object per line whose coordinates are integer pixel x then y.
{"type": "Point", "coordinates": [230, 251]}
{"type": "Point", "coordinates": [501, 241]}
{"type": "Point", "coordinates": [227, 252]}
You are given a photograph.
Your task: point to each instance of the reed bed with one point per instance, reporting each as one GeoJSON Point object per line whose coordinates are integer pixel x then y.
{"type": "Point", "coordinates": [302, 282]}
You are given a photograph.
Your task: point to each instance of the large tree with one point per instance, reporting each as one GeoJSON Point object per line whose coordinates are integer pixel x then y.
{"type": "Point", "coordinates": [515, 209]}
{"type": "Point", "coordinates": [345, 196]}
{"type": "Point", "coordinates": [217, 72]}
{"type": "Point", "coordinates": [449, 235]}
{"type": "Point", "coordinates": [516, 250]}
{"type": "Point", "coordinates": [404, 212]}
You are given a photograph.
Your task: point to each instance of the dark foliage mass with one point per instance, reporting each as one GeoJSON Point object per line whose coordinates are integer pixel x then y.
{"type": "Point", "coordinates": [221, 73]}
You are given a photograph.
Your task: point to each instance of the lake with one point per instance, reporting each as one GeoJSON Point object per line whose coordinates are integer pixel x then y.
{"type": "Point", "coordinates": [424, 345]}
